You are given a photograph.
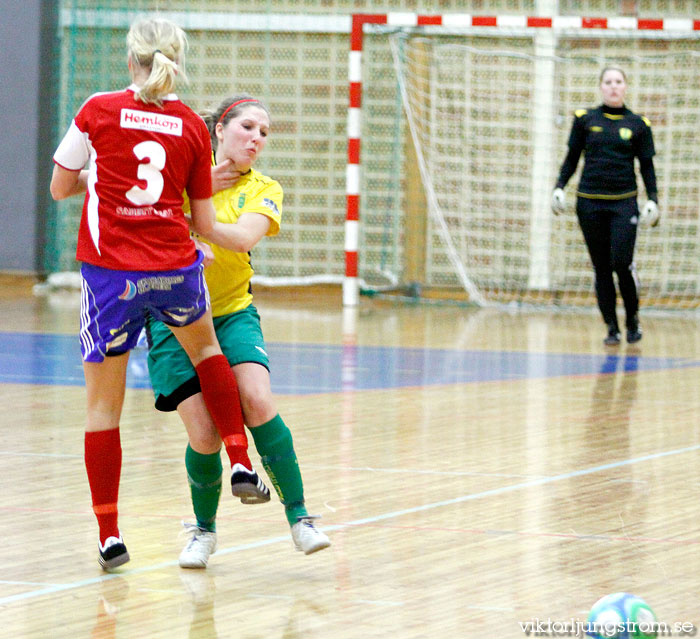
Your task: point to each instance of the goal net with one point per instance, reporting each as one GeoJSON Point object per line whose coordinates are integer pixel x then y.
{"type": "Point", "coordinates": [484, 129]}
{"type": "Point", "coordinates": [461, 133]}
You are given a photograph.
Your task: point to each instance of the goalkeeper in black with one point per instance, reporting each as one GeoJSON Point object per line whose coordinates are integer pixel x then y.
{"type": "Point", "coordinates": [611, 136]}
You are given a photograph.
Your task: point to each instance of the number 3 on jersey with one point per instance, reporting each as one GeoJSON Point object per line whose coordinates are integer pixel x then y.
{"type": "Point", "coordinates": [150, 172]}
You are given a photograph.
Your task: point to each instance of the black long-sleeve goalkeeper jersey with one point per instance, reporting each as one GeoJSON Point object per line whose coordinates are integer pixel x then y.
{"type": "Point", "coordinates": [610, 138]}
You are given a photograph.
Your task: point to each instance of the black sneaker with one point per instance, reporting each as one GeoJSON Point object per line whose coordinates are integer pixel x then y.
{"type": "Point", "coordinates": [634, 333]}
{"type": "Point", "coordinates": [246, 485]}
{"type": "Point", "coordinates": [113, 553]}
{"type": "Point", "coordinates": [613, 337]}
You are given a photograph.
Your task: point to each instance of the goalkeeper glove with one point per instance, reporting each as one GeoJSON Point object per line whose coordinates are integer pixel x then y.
{"type": "Point", "coordinates": [558, 201]}
{"type": "Point", "coordinates": [650, 214]}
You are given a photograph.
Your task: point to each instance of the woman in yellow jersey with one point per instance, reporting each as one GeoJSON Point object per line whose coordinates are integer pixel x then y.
{"type": "Point", "coordinates": [250, 205]}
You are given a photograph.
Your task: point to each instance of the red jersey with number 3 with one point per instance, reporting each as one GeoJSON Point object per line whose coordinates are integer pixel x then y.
{"type": "Point", "coordinates": [142, 158]}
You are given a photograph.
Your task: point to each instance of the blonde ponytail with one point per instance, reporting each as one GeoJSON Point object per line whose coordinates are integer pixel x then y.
{"type": "Point", "coordinates": [158, 45]}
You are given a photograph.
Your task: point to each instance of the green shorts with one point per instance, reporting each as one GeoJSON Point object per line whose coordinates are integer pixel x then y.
{"type": "Point", "coordinates": [172, 375]}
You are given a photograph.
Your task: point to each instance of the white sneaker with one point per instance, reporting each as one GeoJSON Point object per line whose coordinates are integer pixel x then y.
{"type": "Point", "coordinates": [306, 537]}
{"type": "Point", "coordinates": [201, 545]}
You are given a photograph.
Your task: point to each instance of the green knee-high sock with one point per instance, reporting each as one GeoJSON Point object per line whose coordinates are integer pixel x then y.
{"type": "Point", "coordinates": [273, 441]}
{"type": "Point", "coordinates": [204, 475]}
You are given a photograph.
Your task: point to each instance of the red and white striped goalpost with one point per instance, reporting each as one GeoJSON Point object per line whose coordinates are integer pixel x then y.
{"type": "Point", "coordinates": [453, 21]}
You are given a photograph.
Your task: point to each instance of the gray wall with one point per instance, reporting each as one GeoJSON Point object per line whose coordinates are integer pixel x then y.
{"type": "Point", "coordinates": [27, 33]}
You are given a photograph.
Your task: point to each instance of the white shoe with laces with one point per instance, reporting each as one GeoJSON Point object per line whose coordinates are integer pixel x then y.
{"type": "Point", "coordinates": [306, 537]}
{"type": "Point", "coordinates": [201, 545]}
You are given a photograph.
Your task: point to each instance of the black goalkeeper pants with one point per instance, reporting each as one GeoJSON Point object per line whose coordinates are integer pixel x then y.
{"type": "Point", "coordinates": [610, 230]}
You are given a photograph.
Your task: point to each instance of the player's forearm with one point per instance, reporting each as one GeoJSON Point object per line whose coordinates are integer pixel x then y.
{"type": "Point", "coordinates": [203, 216]}
{"type": "Point", "coordinates": [230, 236]}
{"type": "Point", "coordinates": [241, 236]}
{"type": "Point", "coordinates": [646, 168]}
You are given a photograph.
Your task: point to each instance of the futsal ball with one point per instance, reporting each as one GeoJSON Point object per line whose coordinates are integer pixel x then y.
{"type": "Point", "coordinates": [621, 616]}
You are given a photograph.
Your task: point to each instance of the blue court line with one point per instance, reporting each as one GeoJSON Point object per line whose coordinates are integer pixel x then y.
{"type": "Point", "coordinates": [359, 522]}
{"type": "Point", "coordinates": [37, 358]}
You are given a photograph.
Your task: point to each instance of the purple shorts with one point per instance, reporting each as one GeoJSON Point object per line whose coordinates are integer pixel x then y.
{"type": "Point", "coordinates": [114, 304]}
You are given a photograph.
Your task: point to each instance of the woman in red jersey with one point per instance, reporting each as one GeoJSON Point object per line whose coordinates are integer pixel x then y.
{"type": "Point", "coordinates": [144, 148]}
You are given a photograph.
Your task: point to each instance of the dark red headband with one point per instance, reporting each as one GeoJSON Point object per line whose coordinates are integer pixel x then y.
{"type": "Point", "coordinates": [236, 104]}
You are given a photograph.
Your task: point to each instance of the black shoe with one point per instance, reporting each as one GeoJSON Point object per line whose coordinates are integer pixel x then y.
{"type": "Point", "coordinates": [613, 337]}
{"type": "Point", "coordinates": [246, 485]}
{"type": "Point", "coordinates": [634, 333]}
{"type": "Point", "coordinates": [113, 554]}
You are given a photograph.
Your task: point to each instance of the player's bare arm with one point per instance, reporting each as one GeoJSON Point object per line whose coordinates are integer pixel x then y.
{"type": "Point", "coordinates": [202, 216]}
{"type": "Point", "coordinates": [242, 236]}
{"type": "Point", "coordinates": [224, 176]}
{"type": "Point", "coordinates": [65, 183]}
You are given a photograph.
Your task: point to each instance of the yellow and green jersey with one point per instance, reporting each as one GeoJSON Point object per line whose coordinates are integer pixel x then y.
{"type": "Point", "coordinates": [228, 277]}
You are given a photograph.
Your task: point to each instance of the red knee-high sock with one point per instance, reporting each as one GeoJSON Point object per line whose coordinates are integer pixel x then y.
{"type": "Point", "coordinates": [221, 396]}
{"type": "Point", "coordinates": [103, 461]}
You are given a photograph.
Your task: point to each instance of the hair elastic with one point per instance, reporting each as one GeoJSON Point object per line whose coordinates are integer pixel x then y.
{"type": "Point", "coordinates": [235, 104]}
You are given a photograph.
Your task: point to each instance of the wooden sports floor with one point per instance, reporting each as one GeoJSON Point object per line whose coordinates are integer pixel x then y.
{"type": "Point", "coordinates": [478, 472]}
